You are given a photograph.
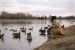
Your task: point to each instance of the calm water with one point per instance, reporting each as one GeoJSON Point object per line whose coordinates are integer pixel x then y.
{"type": "Point", "coordinates": [10, 43]}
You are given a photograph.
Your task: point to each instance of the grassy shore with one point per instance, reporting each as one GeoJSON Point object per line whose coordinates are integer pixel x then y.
{"type": "Point", "coordinates": [66, 42]}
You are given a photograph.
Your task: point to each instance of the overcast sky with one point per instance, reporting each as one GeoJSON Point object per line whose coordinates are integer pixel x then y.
{"type": "Point", "coordinates": [39, 7]}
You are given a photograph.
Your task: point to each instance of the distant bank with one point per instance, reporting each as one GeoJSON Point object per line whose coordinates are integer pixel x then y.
{"type": "Point", "coordinates": [6, 15]}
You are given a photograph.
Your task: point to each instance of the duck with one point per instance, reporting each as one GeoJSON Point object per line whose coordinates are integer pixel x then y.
{"type": "Point", "coordinates": [16, 35]}
{"type": "Point", "coordinates": [1, 35]}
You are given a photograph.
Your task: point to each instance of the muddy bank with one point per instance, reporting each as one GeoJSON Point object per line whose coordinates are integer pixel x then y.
{"type": "Point", "coordinates": [66, 42]}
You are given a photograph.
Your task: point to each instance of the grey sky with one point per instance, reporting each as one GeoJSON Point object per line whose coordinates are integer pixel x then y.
{"type": "Point", "coordinates": [39, 7]}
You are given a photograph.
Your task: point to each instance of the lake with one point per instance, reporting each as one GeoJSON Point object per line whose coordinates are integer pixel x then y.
{"type": "Point", "coordinates": [10, 43]}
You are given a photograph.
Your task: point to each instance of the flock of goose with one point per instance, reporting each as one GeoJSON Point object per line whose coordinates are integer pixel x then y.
{"type": "Point", "coordinates": [17, 34]}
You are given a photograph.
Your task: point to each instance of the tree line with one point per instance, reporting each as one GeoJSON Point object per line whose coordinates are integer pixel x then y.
{"type": "Point", "coordinates": [66, 17]}
{"type": "Point", "coordinates": [6, 15]}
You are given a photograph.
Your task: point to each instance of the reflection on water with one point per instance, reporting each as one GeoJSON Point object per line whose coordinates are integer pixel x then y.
{"type": "Point", "coordinates": [29, 37]}
{"type": "Point", "coordinates": [2, 39]}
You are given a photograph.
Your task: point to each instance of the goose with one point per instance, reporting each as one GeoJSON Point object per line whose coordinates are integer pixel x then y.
{"type": "Point", "coordinates": [1, 35]}
{"type": "Point", "coordinates": [31, 28]}
{"type": "Point", "coordinates": [14, 30]}
{"type": "Point", "coordinates": [16, 35]}
{"type": "Point", "coordinates": [29, 37]}
{"type": "Point", "coordinates": [6, 28]}
{"type": "Point", "coordinates": [62, 26]}
{"type": "Point", "coordinates": [11, 29]}
{"type": "Point", "coordinates": [49, 32]}
{"type": "Point", "coordinates": [0, 30]}
{"type": "Point", "coordinates": [42, 31]}
{"type": "Point", "coordinates": [22, 28]}
{"type": "Point", "coordinates": [45, 27]}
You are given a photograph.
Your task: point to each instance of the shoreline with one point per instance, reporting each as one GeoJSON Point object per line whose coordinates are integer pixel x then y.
{"type": "Point", "coordinates": [64, 43]}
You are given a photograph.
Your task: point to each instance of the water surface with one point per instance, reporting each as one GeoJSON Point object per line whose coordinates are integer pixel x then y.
{"type": "Point", "coordinates": [10, 43]}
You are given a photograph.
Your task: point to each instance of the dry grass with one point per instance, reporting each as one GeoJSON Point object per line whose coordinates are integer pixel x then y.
{"type": "Point", "coordinates": [64, 43]}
